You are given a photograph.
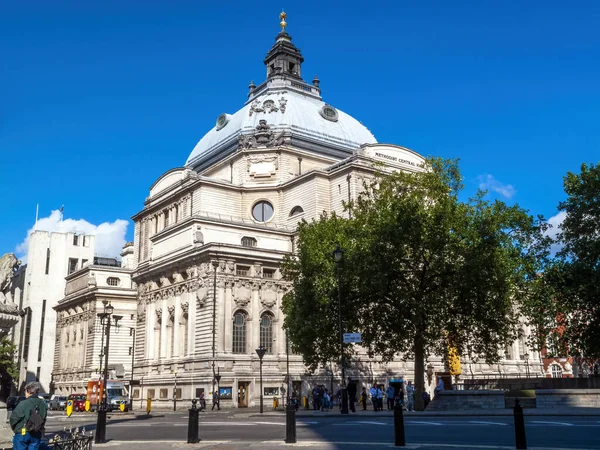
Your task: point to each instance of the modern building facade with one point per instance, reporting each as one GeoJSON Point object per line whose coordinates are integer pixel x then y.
{"type": "Point", "coordinates": [80, 339]}
{"type": "Point", "coordinates": [38, 286]}
{"type": "Point", "coordinates": [211, 236]}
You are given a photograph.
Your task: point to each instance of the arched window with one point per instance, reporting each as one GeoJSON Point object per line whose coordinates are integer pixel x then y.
{"type": "Point", "coordinates": [556, 371]}
{"type": "Point", "coordinates": [239, 333]}
{"type": "Point", "coordinates": [296, 210]}
{"type": "Point", "coordinates": [266, 332]}
{"type": "Point", "coordinates": [248, 241]}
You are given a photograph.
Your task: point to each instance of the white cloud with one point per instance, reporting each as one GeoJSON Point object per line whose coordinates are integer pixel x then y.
{"type": "Point", "coordinates": [556, 221]}
{"type": "Point", "coordinates": [110, 237]}
{"type": "Point", "coordinates": [487, 182]}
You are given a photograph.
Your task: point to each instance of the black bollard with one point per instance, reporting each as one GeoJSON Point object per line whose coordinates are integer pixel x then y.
{"type": "Point", "coordinates": [520, 426]}
{"type": "Point", "coordinates": [193, 424]}
{"type": "Point", "coordinates": [290, 423]}
{"type": "Point", "coordinates": [101, 426]}
{"type": "Point", "coordinates": [399, 439]}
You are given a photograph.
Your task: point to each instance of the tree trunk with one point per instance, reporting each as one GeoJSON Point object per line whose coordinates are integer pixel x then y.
{"type": "Point", "coordinates": [419, 372]}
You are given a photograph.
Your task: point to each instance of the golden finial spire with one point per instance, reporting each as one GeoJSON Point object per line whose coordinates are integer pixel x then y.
{"type": "Point", "coordinates": [283, 23]}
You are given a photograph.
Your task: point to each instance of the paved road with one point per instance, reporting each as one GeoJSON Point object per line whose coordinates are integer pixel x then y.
{"type": "Point", "coordinates": [558, 432]}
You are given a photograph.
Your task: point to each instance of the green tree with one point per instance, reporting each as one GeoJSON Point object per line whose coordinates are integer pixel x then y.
{"type": "Point", "coordinates": [421, 267]}
{"type": "Point", "coordinates": [575, 277]}
{"type": "Point", "coordinates": [8, 367]}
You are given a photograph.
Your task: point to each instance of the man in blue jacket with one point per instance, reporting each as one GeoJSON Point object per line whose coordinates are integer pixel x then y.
{"type": "Point", "coordinates": [28, 419]}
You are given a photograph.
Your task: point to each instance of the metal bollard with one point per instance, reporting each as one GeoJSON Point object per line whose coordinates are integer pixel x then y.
{"type": "Point", "coordinates": [290, 423]}
{"type": "Point", "coordinates": [520, 426]}
{"type": "Point", "coordinates": [193, 424]}
{"type": "Point", "coordinates": [399, 439]}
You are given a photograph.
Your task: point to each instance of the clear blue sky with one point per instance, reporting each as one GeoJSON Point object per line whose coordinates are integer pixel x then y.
{"type": "Point", "coordinates": [99, 98]}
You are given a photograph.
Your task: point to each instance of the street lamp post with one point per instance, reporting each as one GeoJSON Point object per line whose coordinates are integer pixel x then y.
{"type": "Point", "coordinates": [132, 333]}
{"type": "Point", "coordinates": [338, 255]}
{"type": "Point", "coordinates": [527, 364]}
{"type": "Point", "coordinates": [261, 352]}
{"type": "Point", "coordinates": [105, 317]}
{"type": "Point", "coordinates": [287, 368]}
{"type": "Point", "coordinates": [215, 265]}
{"type": "Point", "coordinates": [175, 392]}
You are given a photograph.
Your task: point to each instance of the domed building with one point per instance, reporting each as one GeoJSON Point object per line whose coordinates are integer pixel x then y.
{"type": "Point", "coordinates": [211, 236]}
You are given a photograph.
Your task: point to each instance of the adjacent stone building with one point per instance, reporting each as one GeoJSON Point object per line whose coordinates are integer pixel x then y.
{"type": "Point", "coordinates": [78, 354]}
{"type": "Point", "coordinates": [211, 236]}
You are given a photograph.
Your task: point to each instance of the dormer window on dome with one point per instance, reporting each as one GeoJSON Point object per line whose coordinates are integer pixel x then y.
{"type": "Point", "coordinates": [329, 112]}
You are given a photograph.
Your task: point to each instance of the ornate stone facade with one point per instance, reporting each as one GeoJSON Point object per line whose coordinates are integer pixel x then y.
{"type": "Point", "coordinates": [209, 287]}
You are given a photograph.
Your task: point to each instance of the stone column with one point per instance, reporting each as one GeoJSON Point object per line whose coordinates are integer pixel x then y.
{"type": "Point", "coordinates": [228, 326]}
{"type": "Point", "coordinates": [255, 323]}
{"type": "Point", "coordinates": [220, 315]}
{"type": "Point", "coordinates": [163, 329]}
{"type": "Point", "coordinates": [177, 347]}
{"type": "Point", "coordinates": [191, 299]}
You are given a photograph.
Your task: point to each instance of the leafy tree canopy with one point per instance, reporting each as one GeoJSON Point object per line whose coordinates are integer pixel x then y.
{"type": "Point", "coordinates": [575, 277]}
{"type": "Point", "coordinates": [421, 268]}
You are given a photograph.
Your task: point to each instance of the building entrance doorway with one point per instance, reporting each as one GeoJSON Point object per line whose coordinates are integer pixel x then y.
{"type": "Point", "coordinates": [243, 394]}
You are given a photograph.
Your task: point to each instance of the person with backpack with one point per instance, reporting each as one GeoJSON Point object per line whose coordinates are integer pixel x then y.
{"type": "Point", "coordinates": [28, 419]}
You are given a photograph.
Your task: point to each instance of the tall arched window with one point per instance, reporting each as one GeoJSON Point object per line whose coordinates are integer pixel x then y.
{"type": "Point", "coordinates": [266, 332]}
{"type": "Point", "coordinates": [239, 333]}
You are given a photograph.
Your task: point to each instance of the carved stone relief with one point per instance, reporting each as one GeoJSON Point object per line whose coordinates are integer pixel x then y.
{"type": "Point", "coordinates": [262, 136]}
{"type": "Point", "coordinates": [242, 293]}
{"type": "Point", "coordinates": [267, 106]}
{"type": "Point", "coordinates": [198, 235]}
{"type": "Point", "coordinates": [268, 295]}
{"type": "Point", "coordinates": [201, 296]}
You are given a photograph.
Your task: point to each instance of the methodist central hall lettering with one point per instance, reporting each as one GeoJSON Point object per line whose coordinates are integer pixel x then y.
{"type": "Point", "coordinates": [394, 158]}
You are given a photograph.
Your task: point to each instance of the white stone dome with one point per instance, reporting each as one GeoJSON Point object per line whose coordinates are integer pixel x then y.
{"type": "Point", "coordinates": [290, 112]}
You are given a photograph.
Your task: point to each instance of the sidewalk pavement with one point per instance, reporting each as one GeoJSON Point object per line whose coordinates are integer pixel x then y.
{"type": "Point", "coordinates": [313, 445]}
{"type": "Point", "coordinates": [254, 412]}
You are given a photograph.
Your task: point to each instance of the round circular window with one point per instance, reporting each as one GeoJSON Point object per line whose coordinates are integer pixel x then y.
{"type": "Point", "coordinates": [262, 211]}
{"type": "Point", "coordinates": [329, 112]}
{"type": "Point", "coordinates": [222, 120]}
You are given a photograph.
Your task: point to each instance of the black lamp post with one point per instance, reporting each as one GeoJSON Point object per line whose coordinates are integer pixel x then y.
{"type": "Point", "coordinates": [132, 333]}
{"type": "Point", "coordinates": [261, 352]}
{"type": "Point", "coordinates": [527, 364]}
{"type": "Point", "coordinates": [175, 392]}
{"type": "Point", "coordinates": [105, 318]}
{"type": "Point", "coordinates": [338, 255]}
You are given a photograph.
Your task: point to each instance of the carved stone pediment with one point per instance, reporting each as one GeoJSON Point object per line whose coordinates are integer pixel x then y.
{"type": "Point", "coordinates": [164, 281]}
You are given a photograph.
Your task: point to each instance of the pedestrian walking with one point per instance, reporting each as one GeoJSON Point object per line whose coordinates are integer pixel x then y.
{"type": "Point", "coordinates": [316, 394]}
{"type": "Point", "coordinates": [410, 396]}
{"type": "Point", "coordinates": [28, 420]}
{"type": "Point", "coordinates": [440, 386]}
{"type": "Point", "coordinates": [390, 397]}
{"type": "Point", "coordinates": [202, 401]}
{"type": "Point", "coordinates": [216, 401]}
{"type": "Point", "coordinates": [379, 398]}
{"type": "Point", "coordinates": [374, 398]}
{"type": "Point", "coordinates": [351, 395]}
{"type": "Point", "coordinates": [363, 398]}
